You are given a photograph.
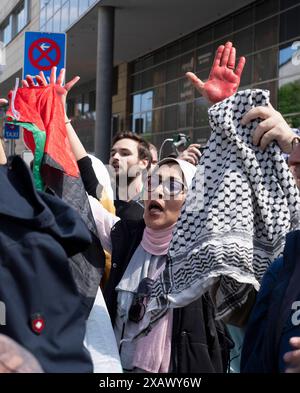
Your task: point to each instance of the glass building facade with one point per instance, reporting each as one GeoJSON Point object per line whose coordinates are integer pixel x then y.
{"type": "Point", "coordinates": [15, 22]}
{"type": "Point", "coordinates": [57, 15]}
{"type": "Point", "coordinates": [267, 33]}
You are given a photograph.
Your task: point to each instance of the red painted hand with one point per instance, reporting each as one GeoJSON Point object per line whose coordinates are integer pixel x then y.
{"type": "Point", "coordinates": [224, 78]}
{"type": "Point", "coordinates": [61, 89]}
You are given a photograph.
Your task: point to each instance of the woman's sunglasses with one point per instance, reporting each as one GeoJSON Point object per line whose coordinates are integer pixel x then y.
{"type": "Point", "coordinates": [138, 306]}
{"type": "Point", "coordinates": [171, 186]}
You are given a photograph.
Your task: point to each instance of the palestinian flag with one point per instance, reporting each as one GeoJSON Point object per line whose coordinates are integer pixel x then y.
{"type": "Point", "coordinates": [40, 112]}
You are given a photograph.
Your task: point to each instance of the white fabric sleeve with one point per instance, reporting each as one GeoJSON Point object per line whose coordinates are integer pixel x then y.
{"type": "Point", "coordinates": [100, 339]}
{"type": "Point", "coordinates": [104, 222]}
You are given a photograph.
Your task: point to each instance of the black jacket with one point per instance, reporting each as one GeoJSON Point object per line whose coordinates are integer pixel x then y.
{"type": "Point", "coordinates": [200, 344]}
{"type": "Point", "coordinates": [43, 311]}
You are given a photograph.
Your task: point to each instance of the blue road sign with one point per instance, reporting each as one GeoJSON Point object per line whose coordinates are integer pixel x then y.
{"type": "Point", "coordinates": [11, 131]}
{"type": "Point", "coordinates": [43, 51]}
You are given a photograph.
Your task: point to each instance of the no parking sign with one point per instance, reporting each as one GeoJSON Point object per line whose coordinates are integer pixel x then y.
{"type": "Point", "coordinates": [43, 51]}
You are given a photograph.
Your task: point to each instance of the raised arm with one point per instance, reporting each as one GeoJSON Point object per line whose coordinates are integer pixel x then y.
{"type": "Point", "coordinates": [103, 219]}
{"type": "Point", "coordinates": [224, 78]}
{"type": "Point", "coordinates": [84, 162]}
{"type": "Point", "coordinates": [62, 91]}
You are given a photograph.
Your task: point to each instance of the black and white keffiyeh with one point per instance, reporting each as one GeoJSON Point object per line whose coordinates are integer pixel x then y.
{"type": "Point", "coordinates": [242, 203]}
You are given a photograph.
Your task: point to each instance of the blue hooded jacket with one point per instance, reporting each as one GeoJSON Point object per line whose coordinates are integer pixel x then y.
{"type": "Point", "coordinates": [43, 309]}
{"type": "Point", "coordinates": [273, 320]}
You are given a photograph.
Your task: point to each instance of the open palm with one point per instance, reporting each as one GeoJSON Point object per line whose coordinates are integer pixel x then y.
{"type": "Point", "coordinates": [61, 89]}
{"type": "Point", "coordinates": [224, 79]}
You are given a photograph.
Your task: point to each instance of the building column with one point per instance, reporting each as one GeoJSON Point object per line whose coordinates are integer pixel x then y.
{"type": "Point", "coordinates": [105, 51]}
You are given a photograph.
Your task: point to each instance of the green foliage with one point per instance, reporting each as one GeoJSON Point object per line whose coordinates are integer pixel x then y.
{"type": "Point", "coordinates": [289, 102]}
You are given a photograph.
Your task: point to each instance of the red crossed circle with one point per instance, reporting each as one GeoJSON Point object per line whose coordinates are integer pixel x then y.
{"type": "Point", "coordinates": [44, 54]}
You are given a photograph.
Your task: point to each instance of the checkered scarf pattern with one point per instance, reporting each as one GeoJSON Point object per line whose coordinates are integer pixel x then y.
{"type": "Point", "coordinates": [246, 202]}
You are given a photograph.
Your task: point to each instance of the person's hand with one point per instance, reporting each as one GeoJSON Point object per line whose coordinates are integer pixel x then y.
{"type": "Point", "coordinates": [192, 154]}
{"type": "Point", "coordinates": [3, 102]}
{"type": "Point", "coordinates": [224, 78]}
{"type": "Point", "coordinates": [61, 89]}
{"type": "Point", "coordinates": [15, 359]}
{"type": "Point", "coordinates": [292, 358]}
{"type": "Point", "coordinates": [273, 127]}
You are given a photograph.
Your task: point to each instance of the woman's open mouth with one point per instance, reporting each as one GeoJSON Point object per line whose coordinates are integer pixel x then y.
{"type": "Point", "coordinates": [155, 207]}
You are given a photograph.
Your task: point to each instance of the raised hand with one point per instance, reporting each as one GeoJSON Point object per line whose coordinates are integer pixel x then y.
{"type": "Point", "coordinates": [192, 154]}
{"type": "Point", "coordinates": [224, 78]}
{"type": "Point", "coordinates": [61, 89]}
{"type": "Point", "coordinates": [273, 127]}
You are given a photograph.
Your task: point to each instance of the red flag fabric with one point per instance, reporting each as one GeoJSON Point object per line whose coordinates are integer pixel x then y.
{"type": "Point", "coordinates": [41, 106]}
{"type": "Point", "coordinates": [40, 112]}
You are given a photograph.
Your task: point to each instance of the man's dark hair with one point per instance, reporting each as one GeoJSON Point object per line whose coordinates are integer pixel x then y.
{"type": "Point", "coordinates": [143, 146]}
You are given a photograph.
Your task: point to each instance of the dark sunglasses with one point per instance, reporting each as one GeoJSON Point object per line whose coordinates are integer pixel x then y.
{"type": "Point", "coordinates": [138, 306]}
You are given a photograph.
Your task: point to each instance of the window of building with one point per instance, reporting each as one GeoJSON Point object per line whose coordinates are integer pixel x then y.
{"type": "Point", "coordinates": [49, 9]}
{"type": "Point", "coordinates": [267, 32]}
{"type": "Point", "coordinates": [64, 22]}
{"type": "Point", "coordinates": [288, 3]}
{"type": "Point", "coordinates": [265, 8]}
{"type": "Point", "coordinates": [289, 24]}
{"type": "Point", "coordinates": [70, 108]}
{"type": "Point", "coordinates": [73, 11]}
{"type": "Point", "coordinates": [85, 104]}
{"type": "Point", "coordinates": [56, 5]}
{"type": "Point", "coordinates": [42, 18]}
{"type": "Point", "coordinates": [204, 56]}
{"type": "Point", "coordinates": [115, 81]}
{"type": "Point", "coordinates": [243, 18]}
{"type": "Point", "coordinates": [171, 118]}
{"type": "Point", "coordinates": [15, 22]}
{"type": "Point", "coordinates": [159, 96]}
{"type": "Point", "coordinates": [223, 27]}
{"type": "Point", "coordinates": [56, 22]}
{"type": "Point", "coordinates": [172, 93]}
{"type": "Point", "coordinates": [289, 82]}
{"type": "Point", "coordinates": [63, 12]}
{"type": "Point", "coordinates": [21, 17]}
{"type": "Point", "coordinates": [49, 25]}
{"type": "Point", "coordinates": [92, 100]}
{"type": "Point", "coordinates": [83, 6]}
{"type": "Point", "coordinates": [142, 112]}
{"type": "Point", "coordinates": [244, 41]}
{"type": "Point", "coordinates": [6, 31]}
